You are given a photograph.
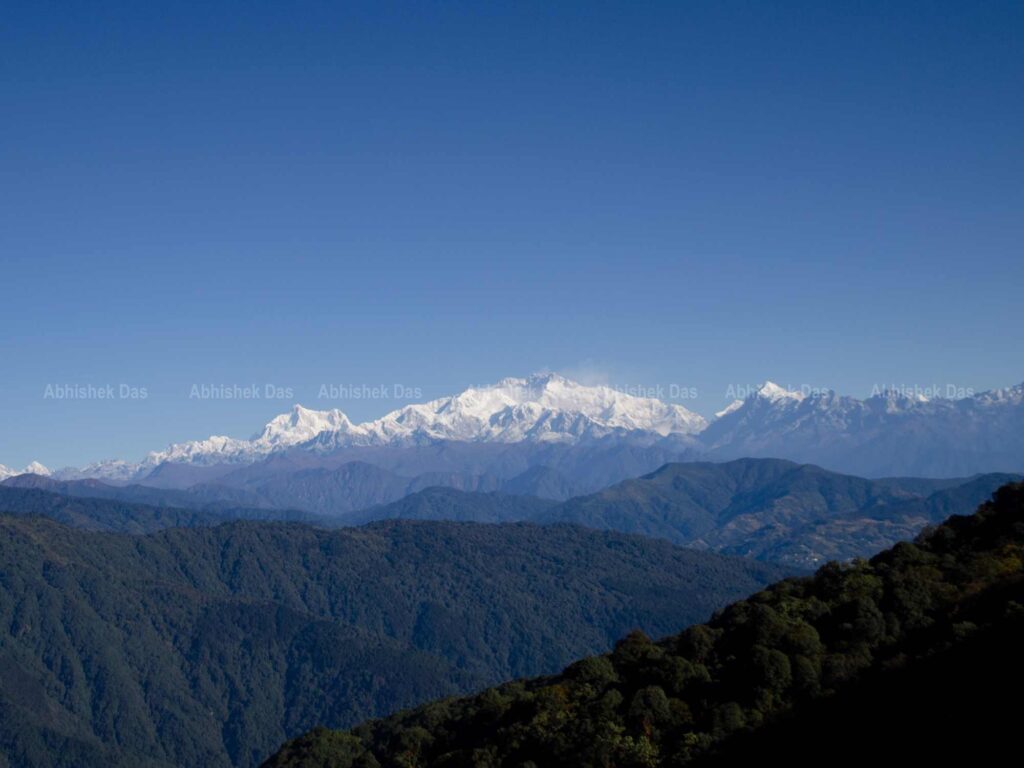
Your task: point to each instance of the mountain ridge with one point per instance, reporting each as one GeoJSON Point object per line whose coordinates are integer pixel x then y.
{"type": "Point", "coordinates": [889, 432]}
{"type": "Point", "coordinates": [768, 509]}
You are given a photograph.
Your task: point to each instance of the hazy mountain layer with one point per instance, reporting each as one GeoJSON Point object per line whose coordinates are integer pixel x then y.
{"type": "Point", "coordinates": [116, 516]}
{"type": "Point", "coordinates": [768, 509]}
{"type": "Point", "coordinates": [763, 508]}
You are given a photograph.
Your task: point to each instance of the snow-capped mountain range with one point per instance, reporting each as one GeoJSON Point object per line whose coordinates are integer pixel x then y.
{"type": "Point", "coordinates": [541, 408]}
{"type": "Point", "coordinates": [886, 434]}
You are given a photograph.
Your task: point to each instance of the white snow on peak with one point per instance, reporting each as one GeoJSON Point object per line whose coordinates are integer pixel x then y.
{"type": "Point", "coordinates": [1003, 396]}
{"type": "Point", "coordinates": [735, 405]}
{"type": "Point", "coordinates": [114, 470]}
{"type": "Point", "coordinates": [300, 425]}
{"type": "Point", "coordinates": [773, 392]}
{"type": "Point", "coordinates": [211, 450]}
{"type": "Point", "coordinates": [541, 408]}
{"type": "Point", "coordinates": [35, 468]}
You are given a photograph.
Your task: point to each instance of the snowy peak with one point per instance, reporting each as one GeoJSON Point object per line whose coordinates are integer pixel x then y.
{"type": "Point", "coordinates": [553, 394]}
{"type": "Point", "coordinates": [895, 401]}
{"type": "Point", "coordinates": [541, 408]}
{"type": "Point", "coordinates": [774, 393]}
{"type": "Point", "coordinates": [895, 394]}
{"type": "Point", "coordinates": [769, 398]}
{"type": "Point", "coordinates": [300, 425]}
{"type": "Point", "coordinates": [35, 468]}
{"type": "Point", "coordinates": [110, 470]}
{"type": "Point", "coordinates": [1012, 396]}
{"type": "Point", "coordinates": [735, 405]}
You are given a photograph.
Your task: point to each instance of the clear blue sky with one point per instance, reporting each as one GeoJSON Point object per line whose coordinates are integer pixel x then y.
{"type": "Point", "coordinates": [443, 194]}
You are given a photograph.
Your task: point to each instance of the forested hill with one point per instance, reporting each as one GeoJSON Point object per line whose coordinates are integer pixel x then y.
{"type": "Point", "coordinates": [768, 509]}
{"type": "Point", "coordinates": [775, 510]}
{"type": "Point", "coordinates": [210, 646]}
{"type": "Point", "coordinates": [114, 515]}
{"type": "Point", "coordinates": [450, 504]}
{"type": "Point", "coordinates": [785, 664]}
{"type": "Point", "coordinates": [772, 510]}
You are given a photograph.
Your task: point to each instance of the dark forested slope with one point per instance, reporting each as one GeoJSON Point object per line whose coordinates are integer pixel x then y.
{"type": "Point", "coordinates": [211, 645]}
{"type": "Point", "coordinates": [785, 665]}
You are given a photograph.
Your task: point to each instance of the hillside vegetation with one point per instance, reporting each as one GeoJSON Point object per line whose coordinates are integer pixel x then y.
{"type": "Point", "coordinates": [768, 509]}
{"type": "Point", "coordinates": [786, 664]}
{"type": "Point", "coordinates": [210, 646]}
{"type": "Point", "coordinates": [797, 514]}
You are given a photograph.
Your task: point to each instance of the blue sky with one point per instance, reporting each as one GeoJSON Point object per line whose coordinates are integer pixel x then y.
{"type": "Point", "coordinates": [443, 194]}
